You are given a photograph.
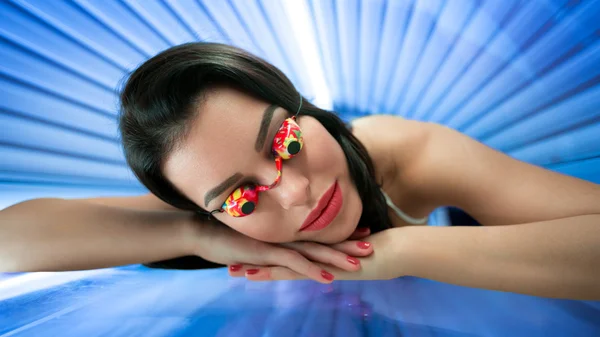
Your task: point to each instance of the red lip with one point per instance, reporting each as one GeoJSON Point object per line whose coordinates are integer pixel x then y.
{"type": "Point", "coordinates": [326, 210]}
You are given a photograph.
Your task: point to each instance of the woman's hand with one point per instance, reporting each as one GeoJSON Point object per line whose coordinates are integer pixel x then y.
{"type": "Point", "coordinates": [384, 264]}
{"type": "Point", "coordinates": [221, 244]}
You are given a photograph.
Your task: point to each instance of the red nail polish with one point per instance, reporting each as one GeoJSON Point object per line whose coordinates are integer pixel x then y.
{"type": "Point", "coordinates": [353, 260]}
{"type": "Point", "coordinates": [235, 267]}
{"type": "Point", "coordinates": [252, 271]}
{"type": "Point", "coordinates": [327, 275]}
{"type": "Point", "coordinates": [363, 245]}
{"type": "Point", "coordinates": [362, 230]}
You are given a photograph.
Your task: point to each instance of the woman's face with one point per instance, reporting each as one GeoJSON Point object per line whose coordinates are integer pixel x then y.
{"type": "Point", "coordinates": [225, 148]}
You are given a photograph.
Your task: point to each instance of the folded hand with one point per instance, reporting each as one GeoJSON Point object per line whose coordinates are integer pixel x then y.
{"type": "Point", "coordinates": [245, 255]}
{"type": "Point", "coordinates": [382, 264]}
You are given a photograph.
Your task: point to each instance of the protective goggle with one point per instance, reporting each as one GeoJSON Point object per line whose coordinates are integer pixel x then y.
{"type": "Point", "coordinates": [287, 143]}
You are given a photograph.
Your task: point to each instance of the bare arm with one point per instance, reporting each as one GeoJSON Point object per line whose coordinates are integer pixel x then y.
{"type": "Point", "coordinates": [544, 237]}
{"type": "Point", "coordinates": [142, 202]}
{"type": "Point", "coordinates": [553, 258]}
{"type": "Point", "coordinates": [55, 234]}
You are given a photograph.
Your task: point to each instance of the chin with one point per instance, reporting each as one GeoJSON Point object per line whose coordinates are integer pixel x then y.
{"type": "Point", "coordinates": [339, 235]}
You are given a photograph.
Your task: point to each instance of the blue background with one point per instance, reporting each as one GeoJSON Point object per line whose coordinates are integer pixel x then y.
{"type": "Point", "coordinates": [519, 76]}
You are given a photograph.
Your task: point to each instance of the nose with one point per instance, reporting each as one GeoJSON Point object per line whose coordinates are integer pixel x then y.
{"type": "Point", "coordinates": [292, 190]}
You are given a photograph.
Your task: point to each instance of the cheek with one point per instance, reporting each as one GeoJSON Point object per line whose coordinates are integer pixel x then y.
{"type": "Point", "coordinates": [326, 155]}
{"type": "Point", "coordinates": [333, 163]}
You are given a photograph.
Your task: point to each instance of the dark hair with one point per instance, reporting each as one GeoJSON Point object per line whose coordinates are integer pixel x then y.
{"type": "Point", "coordinates": [159, 99]}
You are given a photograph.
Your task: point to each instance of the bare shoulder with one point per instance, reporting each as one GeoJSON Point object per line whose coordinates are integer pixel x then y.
{"type": "Point", "coordinates": [395, 145]}
{"type": "Point", "coordinates": [392, 141]}
{"type": "Point", "coordinates": [454, 169]}
{"type": "Point", "coordinates": [394, 125]}
{"type": "Point", "coordinates": [426, 165]}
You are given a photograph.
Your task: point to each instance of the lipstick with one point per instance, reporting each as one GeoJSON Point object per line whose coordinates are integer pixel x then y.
{"type": "Point", "coordinates": [326, 210]}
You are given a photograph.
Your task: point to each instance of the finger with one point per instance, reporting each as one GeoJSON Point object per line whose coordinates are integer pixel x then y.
{"type": "Point", "coordinates": [340, 274]}
{"type": "Point", "coordinates": [234, 269]}
{"type": "Point", "coordinates": [239, 270]}
{"type": "Point", "coordinates": [283, 273]}
{"type": "Point", "coordinates": [275, 274]}
{"type": "Point", "coordinates": [297, 262]}
{"type": "Point", "coordinates": [360, 233]}
{"type": "Point", "coordinates": [326, 254]}
{"type": "Point", "coordinates": [354, 248]}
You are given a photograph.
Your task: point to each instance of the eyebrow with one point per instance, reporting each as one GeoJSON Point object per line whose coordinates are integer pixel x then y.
{"type": "Point", "coordinates": [222, 187]}
{"type": "Point", "coordinates": [261, 138]}
{"type": "Point", "coordinates": [264, 128]}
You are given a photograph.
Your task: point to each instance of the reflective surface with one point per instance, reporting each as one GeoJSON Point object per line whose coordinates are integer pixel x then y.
{"type": "Point", "coordinates": [136, 301]}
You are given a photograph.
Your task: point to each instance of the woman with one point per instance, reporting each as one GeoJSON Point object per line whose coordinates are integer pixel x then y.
{"type": "Point", "coordinates": [245, 172]}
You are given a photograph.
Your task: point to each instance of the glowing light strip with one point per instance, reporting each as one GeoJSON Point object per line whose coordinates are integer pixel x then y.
{"type": "Point", "coordinates": [30, 282]}
{"type": "Point", "coordinates": [299, 18]}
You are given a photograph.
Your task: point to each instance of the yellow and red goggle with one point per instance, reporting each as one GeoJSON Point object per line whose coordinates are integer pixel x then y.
{"type": "Point", "coordinates": [287, 143]}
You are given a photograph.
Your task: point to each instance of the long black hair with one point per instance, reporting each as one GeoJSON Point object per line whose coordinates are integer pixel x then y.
{"type": "Point", "coordinates": [158, 104]}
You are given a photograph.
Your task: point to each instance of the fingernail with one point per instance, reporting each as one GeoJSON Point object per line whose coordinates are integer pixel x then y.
{"type": "Point", "coordinates": [235, 267]}
{"type": "Point", "coordinates": [363, 245]}
{"type": "Point", "coordinates": [252, 271]}
{"type": "Point", "coordinates": [327, 275]}
{"type": "Point", "coordinates": [362, 230]}
{"type": "Point", "coordinates": [353, 260]}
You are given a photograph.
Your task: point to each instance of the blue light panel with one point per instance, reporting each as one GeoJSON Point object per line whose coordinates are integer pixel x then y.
{"type": "Point", "coordinates": [521, 76]}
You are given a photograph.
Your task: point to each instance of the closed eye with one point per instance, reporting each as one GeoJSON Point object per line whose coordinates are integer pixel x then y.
{"type": "Point", "coordinates": [250, 180]}
{"type": "Point", "coordinates": [271, 154]}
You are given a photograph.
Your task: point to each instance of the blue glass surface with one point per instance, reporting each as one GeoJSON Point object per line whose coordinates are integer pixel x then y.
{"type": "Point", "coordinates": [135, 301]}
